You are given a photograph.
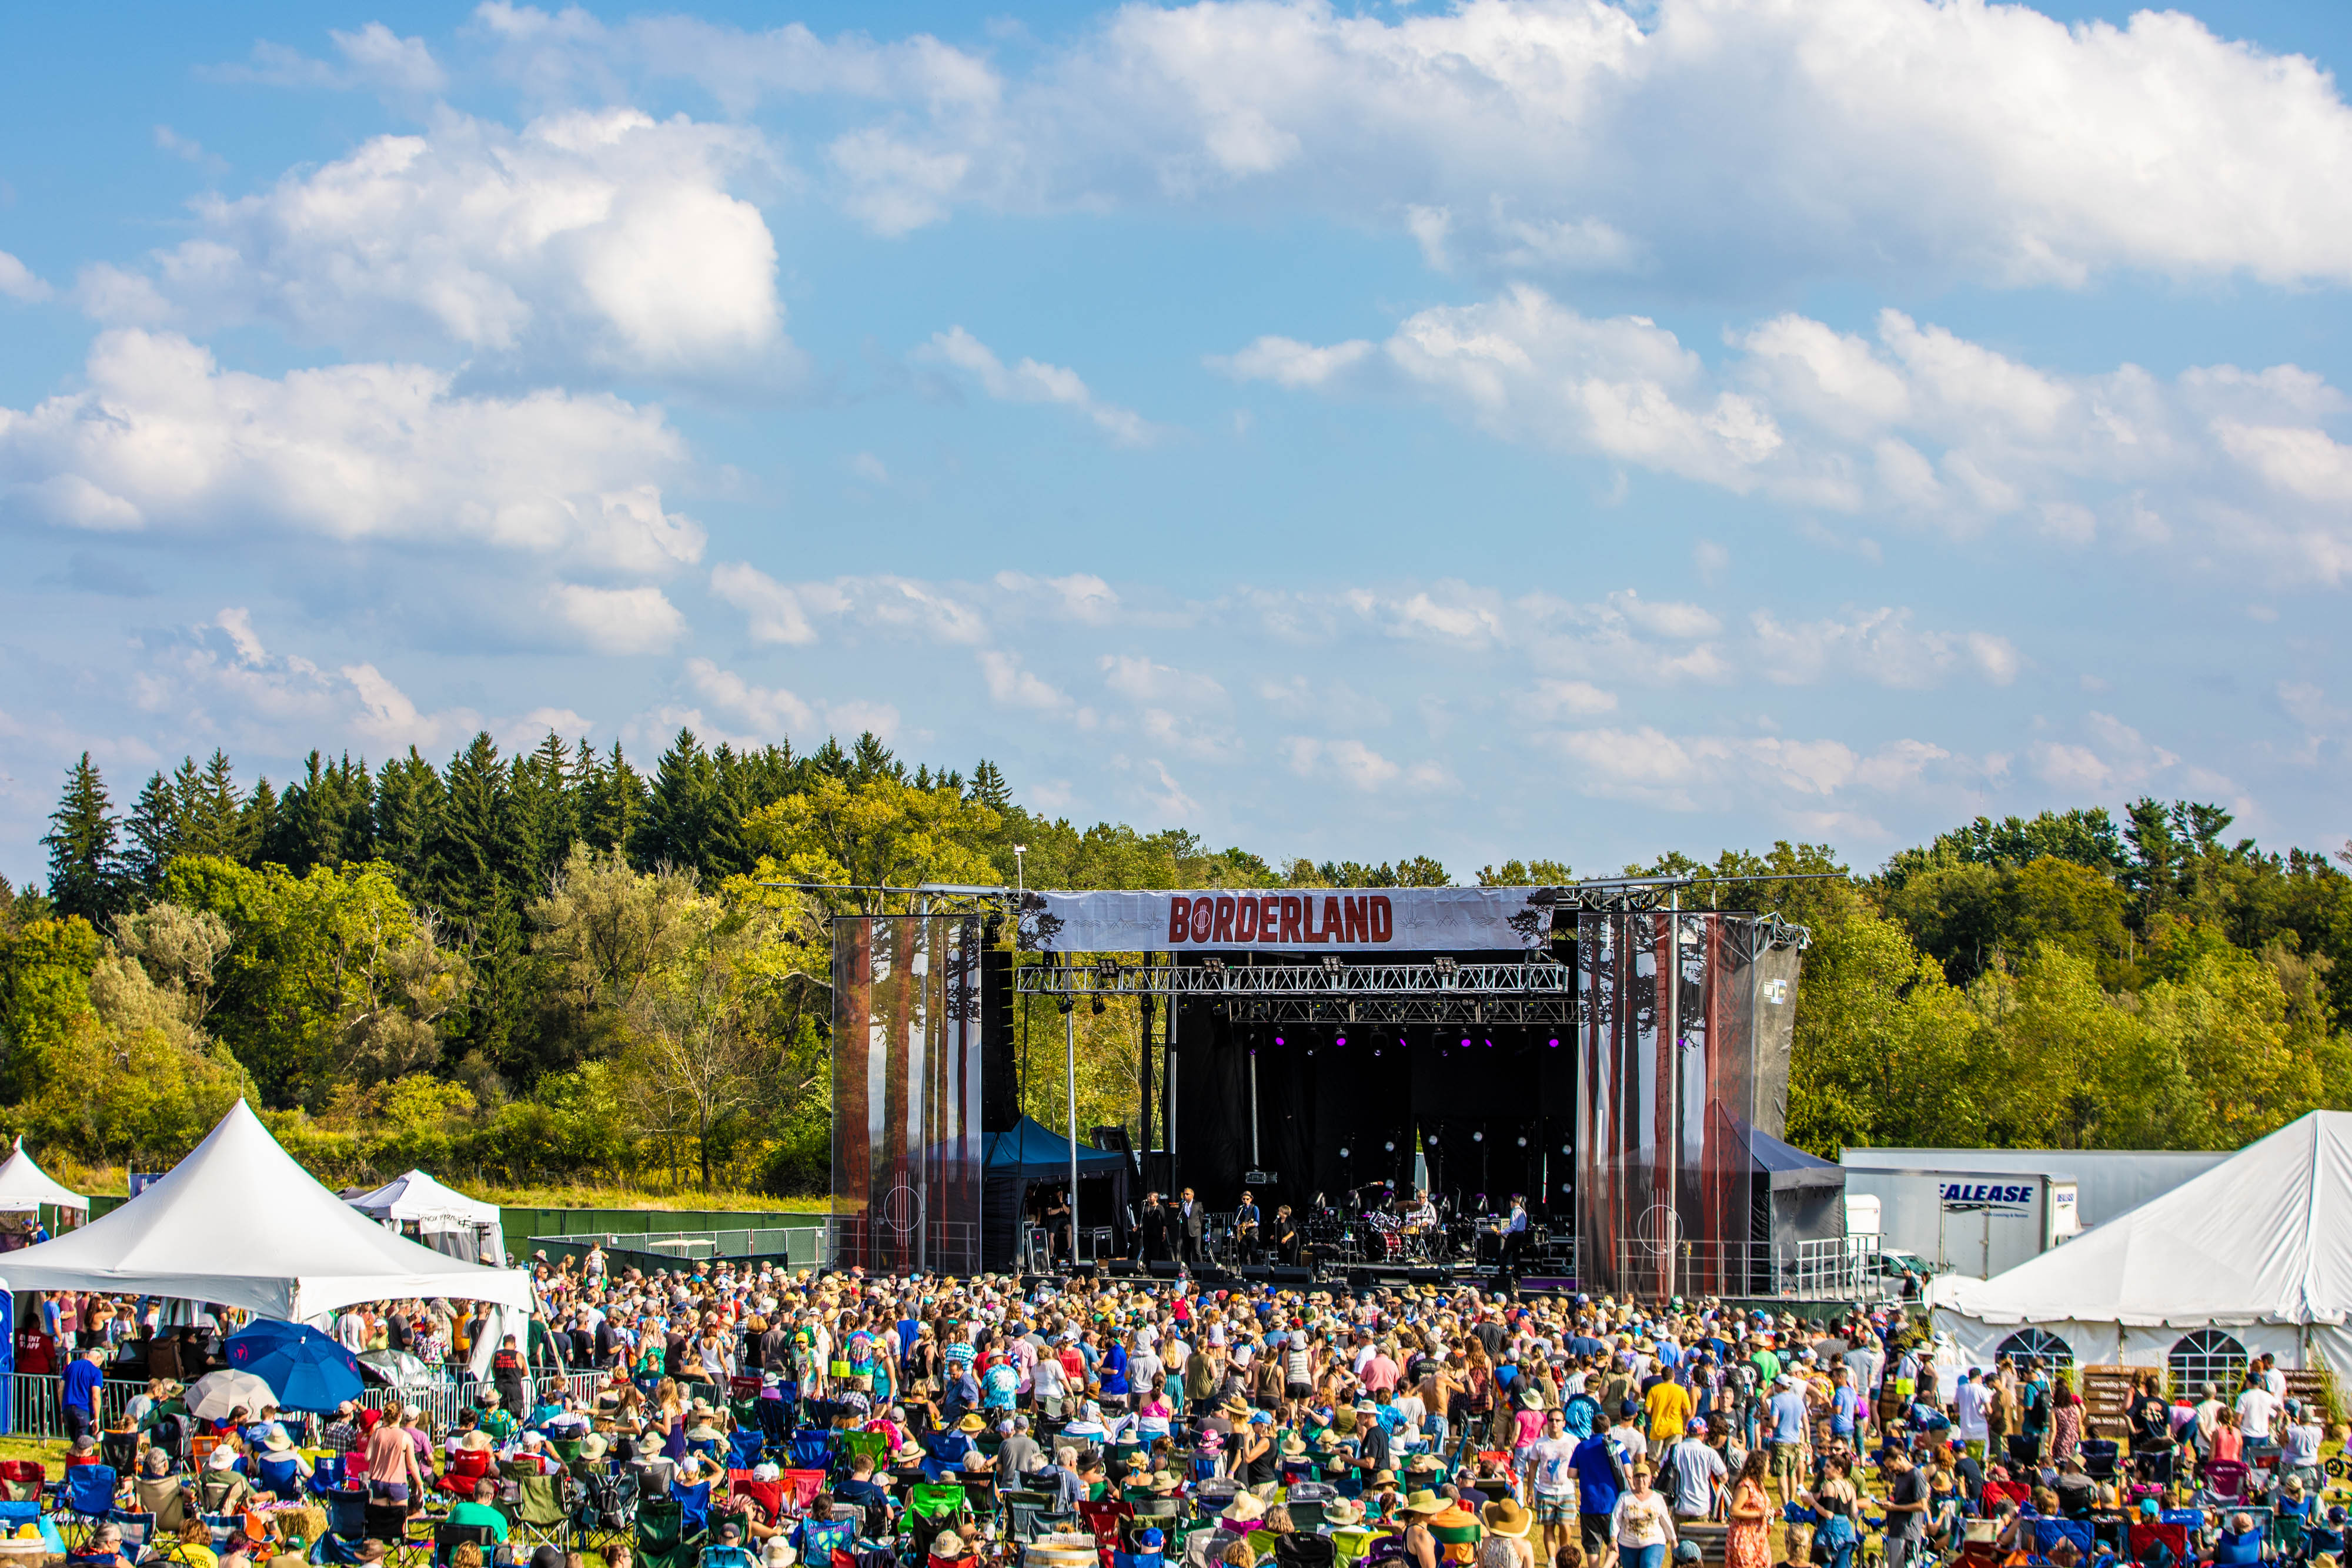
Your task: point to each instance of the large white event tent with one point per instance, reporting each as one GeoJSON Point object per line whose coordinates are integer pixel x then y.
{"type": "Point", "coordinates": [2254, 1255]}
{"type": "Point", "coordinates": [449, 1220]}
{"type": "Point", "coordinates": [24, 1186]}
{"type": "Point", "coordinates": [240, 1223]}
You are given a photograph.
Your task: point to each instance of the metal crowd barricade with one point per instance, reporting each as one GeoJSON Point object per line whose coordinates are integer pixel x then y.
{"type": "Point", "coordinates": [36, 1401]}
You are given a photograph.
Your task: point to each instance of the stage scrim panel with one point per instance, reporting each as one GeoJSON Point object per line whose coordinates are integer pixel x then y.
{"type": "Point", "coordinates": [1685, 1058]}
{"type": "Point", "coordinates": [907, 1144]}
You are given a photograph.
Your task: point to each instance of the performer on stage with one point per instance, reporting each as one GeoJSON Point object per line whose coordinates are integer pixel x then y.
{"type": "Point", "coordinates": [1190, 1218]}
{"type": "Point", "coordinates": [1246, 1224]}
{"type": "Point", "coordinates": [1515, 1234]}
{"type": "Point", "coordinates": [1058, 1224]}
{"type": "Point", "coordinates": [1284, 1234]}
{"type": "Point", "coordinates": [1423, 1212]}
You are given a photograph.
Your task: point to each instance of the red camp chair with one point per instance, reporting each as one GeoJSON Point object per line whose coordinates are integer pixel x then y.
{"type": "Point", "coordinates": [466, 1465]}
{"type": "Point", "coordinates": [2145, 1537]}
{"type": "Point", "coordinates": [1997, 1492]}
{"type": "Point", "coordinates": [1102, 1521]}
{"type": "Point", "coordinates": [769, 1495]}
{"type": "Point", "coordinates": [802, 1486]}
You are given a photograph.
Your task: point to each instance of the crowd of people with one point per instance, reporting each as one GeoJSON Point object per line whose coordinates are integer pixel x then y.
{"type": "Point", "coordinates": [1313, 1427]}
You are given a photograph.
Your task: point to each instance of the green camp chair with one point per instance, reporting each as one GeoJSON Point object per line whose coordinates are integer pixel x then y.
{"type": "Point", "coordinates": [541, 1514]}
{"type": "Point", "coordinates": [937, 1500]}
{"type": "Point", "coordinates": [662, 1542]}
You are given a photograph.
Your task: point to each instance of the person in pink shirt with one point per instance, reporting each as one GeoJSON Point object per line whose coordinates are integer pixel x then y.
{"type": "Point", "coordinates": [1379, 1372]}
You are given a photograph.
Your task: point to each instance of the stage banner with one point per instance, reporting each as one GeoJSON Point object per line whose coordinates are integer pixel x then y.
{"type": "Point", "coordinates": [1363, 920]}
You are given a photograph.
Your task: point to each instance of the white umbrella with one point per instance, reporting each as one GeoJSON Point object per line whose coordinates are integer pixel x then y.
{"type": "Point", "coordinates": [212, 1396]}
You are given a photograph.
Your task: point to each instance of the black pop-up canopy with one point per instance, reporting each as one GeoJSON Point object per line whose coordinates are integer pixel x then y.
{"type": "Point", "coordinates": [1031, 1154]}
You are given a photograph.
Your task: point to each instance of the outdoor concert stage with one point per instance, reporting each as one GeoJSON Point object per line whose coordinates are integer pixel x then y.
{"type": "Point", "coordinates": [1310, 1046]}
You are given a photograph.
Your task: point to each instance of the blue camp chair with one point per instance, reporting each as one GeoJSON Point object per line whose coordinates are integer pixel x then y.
{"type": "Point", "coordinates": [84, 1500]}
{"type": "Point", "coordinates": [694, 1504]}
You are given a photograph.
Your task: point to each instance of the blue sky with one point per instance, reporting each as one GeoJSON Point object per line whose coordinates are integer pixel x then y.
{"type": "Point", "coordinates": [1516, 429]}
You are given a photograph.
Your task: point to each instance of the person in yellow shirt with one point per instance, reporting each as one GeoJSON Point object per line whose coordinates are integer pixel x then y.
{"type": "Point", "coordinates": [1670, 1411]}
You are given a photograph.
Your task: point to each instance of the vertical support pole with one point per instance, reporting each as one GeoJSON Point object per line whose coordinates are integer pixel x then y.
{"type": "Point", "coordinates": [1167, 1087]}
{"type": "Point", "coordinates": [1673, 1087]}
{"type": "Point", "coordinates": [1147, 1009]}
{"type": "Point", "coordinates": [1070, 1039]}
{"type": "Point", "coordinates": [1254, 1163]}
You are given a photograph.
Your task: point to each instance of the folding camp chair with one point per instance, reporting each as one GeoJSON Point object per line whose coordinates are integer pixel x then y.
{"type": "Point", "coordinates": [604, 1513]}
{"type": "Point", "coordinates": [1022, 1512]}
{"type": "Point", "coordinates": [2101, 1457]}
{"type": "Point", "coordinates": [541, 1513]}
{"type": "Point", "coordinates": [812, 1450]}
{"type": "Point", "coordinates": [119, 1449]}
{"type": "Point", "coordinates": [820, 1538]}
{"type": "Point", "coordinates": [138, 1530]}
{"type": "Point", "coordinates": [449, 1537]}
{"type": "Point", "coordinates": [2160, 1544]}
{"type": "Point", "coordinates": [2224, 1482]}
{"type": "Point", "coordinates": [872, 1444]}
{"type": "Point", "coordinates": [727, 1557]}
{"type": "Point", "coordinates": [981, 1496]}
{"type": "Point", "coordinates": [744, 1447]}
{"type": "Point", "coordinates": [326, 1476]}
{"type": "Point", "coordinates": [347, 1514]}
{"type": "Point", "coordinates": [661, 1538]}
{"type": "Point", "coordinates": [25, 1478]}
{"type": "Point", "coordinates": [694, 1502]}
{"type": "Point", "coordinates": [468, 1466]}
{"type": "Point", "coordinates": [776, 1422]}
{"type": "Point", "coordinates": [280, 1478]}
{"type": "Point", "coordinates": [2049, 1532]}
{"type": "Point", "coordinates": [802, 1486]}
{"type": "Point", "coordinates": [1305, 1550]}
{"type": "Point", "coordinates": [85, 1499]}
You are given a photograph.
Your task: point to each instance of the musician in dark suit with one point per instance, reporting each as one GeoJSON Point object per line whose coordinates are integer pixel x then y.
{"type": "Point", "coordinates": [1190, 1217]}
{"type": "Point", "coordinates": [1283, 1235]}
{"type": "Point", "coordinates": [1246, 1224]}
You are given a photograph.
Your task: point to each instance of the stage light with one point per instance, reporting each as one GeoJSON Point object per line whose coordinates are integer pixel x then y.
{"type": "Point", "coordinates": [1389, 1147]}
{"type": "Point", "coordinates": [1277, 1039]}
{"type": "Point", "coordinates": [1343, 1153]}
{"type": "Point", "coordinates": [1477, 1137]}
{"type": "Point", "coordinates": [1555, 1045]}
{"type": "Point", "coordinates": [1566, 1150]}
{"type": "Point", "coordinates": [1067, 1004]}
{"type": "Point", "coordinates": [1566, 1187]}
{"type": "Point", "coordinates": [1214, 965]}
{"type": "Point", "coordinates": [1098, 1007]}
{"type": "Point", "coordinates": [1466, 1045]}
{"type": "Point", "coordinates": [1431, 1139]}
{"type": "Point", "coordinates": [1342, 1039]}
{"type": "Point", "coordinates": [1447, 967]}
{"type": "Point", "coordinates": [1330, 966]}
{"type": "Point", "coordinates": [1523, 1143]}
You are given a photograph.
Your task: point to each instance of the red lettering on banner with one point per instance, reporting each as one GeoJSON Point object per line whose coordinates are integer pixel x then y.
{"type": "Point", "coordinates": [1351, 910]}
{"type": "Point", "coordinates": [1269, 915]}
{"type": "Point", "coordinates": [1384, 919]}
{"type": "Point", "coordinates": [1246, 920]}
{"type": "Point", "coordinates": [1224, 926]}
{"type": "Point", "coordinates": [1289, 920]}
{"type": "Point", "coordinates": [1178, 921]}
{"type": "Point", "coordinates": [1307, 920]}
{"type": "Point", "coordinates": [1332, 928]}
{"type": "Point", "coordinates": [1203, 919]}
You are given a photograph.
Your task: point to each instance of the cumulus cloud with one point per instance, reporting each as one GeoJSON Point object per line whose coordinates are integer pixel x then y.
{"type": "Point", "coordinates": [18, 282]}
{"type": "Point", "coordinates": [1913, 421]}
{"type": "Point", "coordinates": [222, 680]}
{"type": "Point", "coordinates": [163, 438]}
{"type": "Point", "coordinates": [600, 238]}
{"type": "Point", "coordinates": [1032, 381]}
{"type": "Point", "coordinates": [772, 609]}
{"type": "Point", "coordinates": [619, 620]}
{"type": "Point", "coordinates": [1703, 771]}
{"type": "Point", "coordinates": [374, 57]}
{"type": "Point", "coordinates": [1678, 136]}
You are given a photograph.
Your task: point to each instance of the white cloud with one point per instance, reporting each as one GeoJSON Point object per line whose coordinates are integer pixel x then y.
{"type": "Point", "coordinates": [2111, 756]}
{"type": "Point", "coordinates": [17, 281]}
{"type": "Point", "coordinates": [619, 620]}
{"type": "Point", "coordinates": [1684, 136]}
{"type": "Point", "coordinates": [1013, 686]}
{"type": "Point", "coordinates": [1702, 771]}
{"type": "Point", "coordinates": [374, 57]}
{"type": "Point", "coordinates": [1081, 596]}
{"type": "Point", "coordinates": [163, 438]}
{"type": "Point", "coordinates": [1919, 424]}
{"type": "Point", "coordinates": [1287, 362]}
{"type": "Point", "coordinates": [774, 610]}
{"type": "Point", "coordinates": [1568, 699]}
{"type": "Point", "coordinates": [771, 709]}
{"type": "Point", "coordinates": [243, 694]}
{"type": "Point", "coordinates": [1032, 381]}
{"type": "Point", "coordinates": [1880, 645]}
{"type": "Point", "coordinates": [599, 238]}
{"type": "Point", "coordinates": [1136, 678]}
{"type": "Point", "coordinates": [1349, 761]}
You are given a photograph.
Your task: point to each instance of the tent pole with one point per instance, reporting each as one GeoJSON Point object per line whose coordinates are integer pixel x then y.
{"type": "Point", "coordinates": [1070, 1036]}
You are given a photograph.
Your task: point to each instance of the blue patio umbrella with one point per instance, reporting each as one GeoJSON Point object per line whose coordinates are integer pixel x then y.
{"type": "Point", "coordinates": [308, 1370]}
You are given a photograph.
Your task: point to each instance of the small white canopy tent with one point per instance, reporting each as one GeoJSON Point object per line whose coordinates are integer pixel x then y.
{"type": "Point", "coordinates": [2256, 1255]}
{"type": "Point", "coordinates": [238, 1222]}
{"type": "Point", "coordinates": [24, 1186]}
{"type": "Point", "coordinates": [449, 1221]}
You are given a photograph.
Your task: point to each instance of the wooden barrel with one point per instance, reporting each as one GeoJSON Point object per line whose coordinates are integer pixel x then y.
{"type": "Point", "coordinates": [1061, 1551]}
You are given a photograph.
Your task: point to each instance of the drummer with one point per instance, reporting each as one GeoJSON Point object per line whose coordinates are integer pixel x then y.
{"type": "Point", "coordinates": [1422, 1215]}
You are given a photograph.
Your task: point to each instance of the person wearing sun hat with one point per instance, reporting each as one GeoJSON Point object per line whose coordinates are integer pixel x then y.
{"type": "Point", "coordinates": [1505, 1542]}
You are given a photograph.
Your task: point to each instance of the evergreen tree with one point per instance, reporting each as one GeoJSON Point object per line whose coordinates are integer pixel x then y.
{"type": "Point", "coordinates": [257, 824]}
{"type": "Point", "coordinates": [684, 823]}
{"type": "Point", "coordinates": [546, 812]}
{"type": "Point", "coordinates": [871, 759]}
{"type": "Point", "coordinates": [86, 870]}
{"type": "Point", "coordinates": [211, 809]}
{"type": "Point", "coordinates": [475, 851]}
{"type": "Point", "coordinates": [612, 800]}
{"type": "Point", "coordinates": [155, 829]}
{"type": "Point", "coordinates": [408, 800]}
{"type": "Point", "coordinates": [989, 788]}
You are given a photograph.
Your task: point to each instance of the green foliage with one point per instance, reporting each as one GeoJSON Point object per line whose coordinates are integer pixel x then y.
{"type": "Point", "coordinates": [527, 967]}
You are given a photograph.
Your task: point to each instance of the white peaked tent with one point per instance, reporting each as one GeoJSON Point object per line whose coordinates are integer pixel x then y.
{"type": "Point", "coordinates": [24, 1186]}
{"type": "Point", "coordinates": [451, 1222]}
{"type": "Point", "coordinates": [2257, 1251]}
{"type": "Point", "coordinates": [238, 1222]}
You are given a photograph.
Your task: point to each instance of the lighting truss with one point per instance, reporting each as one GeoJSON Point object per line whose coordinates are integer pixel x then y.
{"type": "Point", "coordinates": [1331, 990]}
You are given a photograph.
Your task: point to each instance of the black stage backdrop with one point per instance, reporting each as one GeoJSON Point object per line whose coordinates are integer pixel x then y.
{"type": "Point", "coordinates": [1494, 1117]}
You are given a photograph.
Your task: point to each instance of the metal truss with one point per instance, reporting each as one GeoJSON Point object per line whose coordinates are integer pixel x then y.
{"type": "Point", "coordinates": [1331, 980]}
{"type": "Point", "coordinates": [1333, 991]}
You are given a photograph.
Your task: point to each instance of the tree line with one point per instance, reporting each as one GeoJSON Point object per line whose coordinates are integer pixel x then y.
{"type": "Point", "coordinates": [547, 963]}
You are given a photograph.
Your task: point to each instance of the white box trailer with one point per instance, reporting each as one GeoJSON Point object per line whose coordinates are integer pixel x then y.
{"type": "Point", "coordinates": [1964, 1222]}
